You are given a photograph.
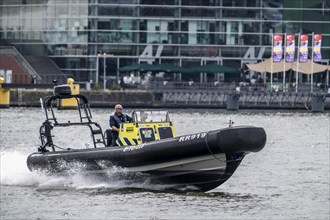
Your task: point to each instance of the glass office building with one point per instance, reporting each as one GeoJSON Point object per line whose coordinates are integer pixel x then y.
{"type": "Point", "coordinates": [80, 35]}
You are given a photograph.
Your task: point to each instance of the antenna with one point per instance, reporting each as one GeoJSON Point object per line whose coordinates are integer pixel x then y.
{"type": "Point", "coordinates": [231, 122]}
{"type": "Point", "coordinates": [42, 105]}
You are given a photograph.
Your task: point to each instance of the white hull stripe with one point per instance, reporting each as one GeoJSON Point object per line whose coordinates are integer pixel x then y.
{"type": "Point", "coordinates": [203, 163]}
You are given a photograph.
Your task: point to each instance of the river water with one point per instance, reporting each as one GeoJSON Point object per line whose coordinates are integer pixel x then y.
{"type": "Point", "coordinates": [288, 179]}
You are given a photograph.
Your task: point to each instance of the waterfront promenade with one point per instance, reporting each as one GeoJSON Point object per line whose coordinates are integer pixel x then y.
{"type": "Point", "coordinates": [189, 97]}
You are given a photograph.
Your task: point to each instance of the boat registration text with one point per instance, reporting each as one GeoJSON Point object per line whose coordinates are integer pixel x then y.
{"type": "Point", "coordinates": [192, 137]}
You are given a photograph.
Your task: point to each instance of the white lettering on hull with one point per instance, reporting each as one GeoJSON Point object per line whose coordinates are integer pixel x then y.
{"type": "Point", "coordinates": [130, 148]}
{"type": "Point", "coordinates": [192, 137]}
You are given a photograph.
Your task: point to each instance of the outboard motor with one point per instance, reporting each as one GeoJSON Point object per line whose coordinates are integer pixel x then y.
{"type": "Point", "coordinates": [108, 136]}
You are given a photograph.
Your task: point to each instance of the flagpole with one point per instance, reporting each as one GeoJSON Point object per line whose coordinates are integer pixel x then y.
{"type": "Point", "coordinates": [284, 87]}
{"type": "Point", "coordinates": [312, 62]}
{"type": "Point", "coordinates": [271, 66]}
{"type": "Point", "coordinates": [328, 74]}
{"type": "Point", "coordinates": [297, 72]}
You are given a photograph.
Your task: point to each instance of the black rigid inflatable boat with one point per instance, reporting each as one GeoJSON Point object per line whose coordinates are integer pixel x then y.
{"type": "Point", "coordinates": [200, 161]}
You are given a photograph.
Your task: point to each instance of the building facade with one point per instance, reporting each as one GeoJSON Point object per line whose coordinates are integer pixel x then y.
{"type": "Point", "coordinates": [82, 35]}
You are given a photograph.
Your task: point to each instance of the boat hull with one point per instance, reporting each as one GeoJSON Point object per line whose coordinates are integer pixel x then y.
{"type": "Point", "coordinates": [198, 162]}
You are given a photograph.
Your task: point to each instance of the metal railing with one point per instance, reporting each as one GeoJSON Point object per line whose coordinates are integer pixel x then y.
{"type": "Point", "coordinates": [192, 86]}
{"type": "Point", "coordinates": [239, 87]}
{"type": "Point", "coordinates": [27, 79]}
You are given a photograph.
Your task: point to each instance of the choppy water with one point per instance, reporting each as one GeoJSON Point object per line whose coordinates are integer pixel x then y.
{"type": "Point", "coordinates": [288, 179]}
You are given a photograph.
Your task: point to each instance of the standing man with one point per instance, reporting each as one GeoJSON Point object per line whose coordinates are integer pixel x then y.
{"type": "Point", "coordinates": [115, 120]}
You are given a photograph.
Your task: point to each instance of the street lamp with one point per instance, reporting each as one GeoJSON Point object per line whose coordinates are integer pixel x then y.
{"type": "Point", "coordinates": [97, 69]}
{"type": "Point", "coordinates": [104, 69]}
{"type": "Point", "coordinates": [104, 55]}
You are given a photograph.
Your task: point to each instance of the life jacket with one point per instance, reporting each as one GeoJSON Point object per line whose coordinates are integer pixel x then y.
{"type": "Point", "coordinates": [117, 119]}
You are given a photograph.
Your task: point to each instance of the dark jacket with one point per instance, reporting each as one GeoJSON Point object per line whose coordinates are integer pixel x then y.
{"type": "Point", "coordinates": [115, 120]}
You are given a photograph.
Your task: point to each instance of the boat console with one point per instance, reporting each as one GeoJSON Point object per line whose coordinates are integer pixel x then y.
{"type": "Point", "coordinates": [146, 126]}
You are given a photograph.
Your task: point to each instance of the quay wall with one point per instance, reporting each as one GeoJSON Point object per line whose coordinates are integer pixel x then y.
{"type": "Point", "coordinates": [22, 97]}
{"type": "Point", "coordinates": [172, 99]}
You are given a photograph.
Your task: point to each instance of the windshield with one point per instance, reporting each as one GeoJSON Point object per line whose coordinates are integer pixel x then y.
{"type": "Point", "coordinates": [150, 116]}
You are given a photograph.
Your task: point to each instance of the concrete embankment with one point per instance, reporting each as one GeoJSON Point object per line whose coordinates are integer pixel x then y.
{"type": "Point", "coordinates": [179, 99]}
{"type": "Point", "coordinates": [130, 98]}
